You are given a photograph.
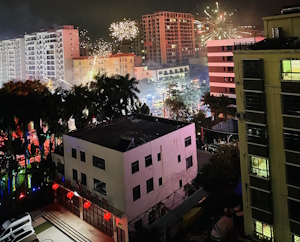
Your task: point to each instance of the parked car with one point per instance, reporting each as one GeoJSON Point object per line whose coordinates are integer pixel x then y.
{"type": "Point", "coordinates": [222, 229]}
{"type": "Point", "coordinates": [213, 148]}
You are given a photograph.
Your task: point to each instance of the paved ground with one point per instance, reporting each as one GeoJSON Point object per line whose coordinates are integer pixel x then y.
{"type": "Point", "coordinates": [49, 233]}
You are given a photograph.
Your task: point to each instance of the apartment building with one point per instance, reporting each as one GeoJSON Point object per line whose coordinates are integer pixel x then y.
{"type": "Point", "coordinates": [159, 73]}
{"type": "Point", "coordinates": [12, 60]}
{"type": "Point", "coordinates": [169, 38]}
{"type": "Point", "coordinates": [132, 163]}
{"type": "Point", "coordinates": [49, 53]}
{"type": "Point", "coordinates": [221, 66]}
{"type": "Point", "coordinates": [267, 77]}
{"type": "Point", "coordinates": [85, 67]}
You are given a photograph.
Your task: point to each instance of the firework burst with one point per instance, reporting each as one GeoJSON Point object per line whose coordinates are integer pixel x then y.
{"type": "Point", "coordinates": [124, 30]}
{"type": "Point", "coordinates": [216, 26]}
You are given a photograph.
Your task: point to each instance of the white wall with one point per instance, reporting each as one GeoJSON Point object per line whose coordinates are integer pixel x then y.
{"type": "Point", "coordinates": [113, 175]}
{"type": "Point", "coordinates": [170, 146]}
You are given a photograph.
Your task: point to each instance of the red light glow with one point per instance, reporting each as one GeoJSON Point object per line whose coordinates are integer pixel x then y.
{"type": "Point", "coordinates": [55, 186]}
{"type": "Point", "coordinates": [70, 195]}
{"type": "Point", "coordinates": [86, 205]}
{"type": "Point", "coordinates": [107, 216]}
{"type": "Point", "coordinates": [21, 195]}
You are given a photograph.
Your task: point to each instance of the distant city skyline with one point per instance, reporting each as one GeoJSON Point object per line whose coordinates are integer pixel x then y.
{"type": "Point", "coordinates": [20, 16]}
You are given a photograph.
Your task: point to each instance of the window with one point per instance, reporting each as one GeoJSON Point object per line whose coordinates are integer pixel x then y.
{"type": "Point", "coordinates": [136, 193]}
{"type": "Point", "coordinates": [295, 238]}
{"type": "Point", "coordinates": [98, 162]}
{"type": "Point", "coordinates": [148, 160]}
{"type": "Point", "coordinates": [82, 156]}
{"type": "Point", "coordinates": [83, 179]}
{"type": "Point", "coordinates": [74, 153]}
{"type": "Point", "coordinates": [294, 210]}
{"type": "Point", "coordinates": [158, 157]}
{"type": "Point", "coordinates": [74, 174]}
{"type": "Point", "coordinates": [261, 200]}
{"type": "Point", "coordinates": [61, 168]}
{"type": "Point", "coordinates": [189, 162]}
{"type": "Point", "coordinates": [259, 166]}
{"type": "Point", "coordinates": [230, 68]}
{"type": "Point", "coordinates": [229, 58]}
{"type": "Point", "coordinates": [180, 183]}
{"type": "Point", "coordinates": [292, 174]}
{"type": "Point", "coordinates": [188, 141]}
{"type": "Point", "coordinates": [160, 181]}
{"type": "Point", "coordinates": [151, 217]}
{"type": "Point", "coordinates": [228, 47]}
{"type": "Point", "coordinates": [255, 101]}
{"type": "Point", "coordinates": [100, 186]}
{"type": "Point", "coordinates": [138, 224]}
{"type": "Point", "coordinates": [263, 231]}
{"type": "Point", "coordinates": [291, 105]}
{"type": "Point", "coordinates": [290, 70]}
{"type": "Point", "coordinates": [252, 68]}
{"type": "Point", "coordinates": [134, 167]}
{"type": "Point", "coordinates": [179, 158]}
{"type": "Point", "coordinates": [149, 184]}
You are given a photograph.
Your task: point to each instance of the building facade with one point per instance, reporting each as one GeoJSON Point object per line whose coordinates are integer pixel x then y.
{"type": "Point", "coordinates": [267, 77]}
{"type": "Point", "coordinates": [221, 66]}
{"type": "Point", "coordinates": [49, 53]}
{"type": "Point", "coordinates": [159, 73]}
{"type": "Point", "coordinates": [12, 60]}
{"type": "Point", "coordinates": [85, 67]}
{"type": "Point", "coordinates": [168, 38]}
{"type": "Point", "coordinates": [133, 164]}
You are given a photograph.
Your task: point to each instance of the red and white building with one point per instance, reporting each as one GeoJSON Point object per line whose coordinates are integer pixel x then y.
{"type": "Point", "coordinates": [221, 66]}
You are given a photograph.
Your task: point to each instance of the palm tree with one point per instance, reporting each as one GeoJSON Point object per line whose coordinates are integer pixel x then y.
{"type": "Point", "coordinates": [139, 108]}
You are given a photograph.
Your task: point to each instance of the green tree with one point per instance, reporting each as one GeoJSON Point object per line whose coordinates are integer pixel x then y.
{"type": "Point", "coordinates": [224, 168]}
{"type": "Point", "coordinates": [191, 96]}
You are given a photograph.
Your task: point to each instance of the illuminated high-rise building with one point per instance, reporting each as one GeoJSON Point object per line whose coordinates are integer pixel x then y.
{"type": "Point", "coordinates": [267, 78]}
{"type": "Point", "coordinates": [12, 60]}
{"type": "Point", "coordinates": [169, 38]}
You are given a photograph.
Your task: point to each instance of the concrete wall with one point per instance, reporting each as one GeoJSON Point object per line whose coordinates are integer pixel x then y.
{"type": "Point", "coordinates": [171, 171]}
{"type": "Point", "coordinates": [113, 175]}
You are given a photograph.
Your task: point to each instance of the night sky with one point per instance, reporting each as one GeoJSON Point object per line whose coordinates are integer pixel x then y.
{"type": "Point", "coordinates": [20, 16]}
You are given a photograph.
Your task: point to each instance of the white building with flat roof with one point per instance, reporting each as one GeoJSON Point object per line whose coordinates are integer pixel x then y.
{"type": "Point", "coordinates": [12, 60]}
{"type": "Point", "coordinates": [133, 163]}
{"type": "Point", "coordinates": [49, 53]}
{"type": "Point", "coordinates": [159, 73]}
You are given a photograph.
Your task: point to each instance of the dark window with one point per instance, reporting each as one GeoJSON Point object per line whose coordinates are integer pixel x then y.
{"type": "Point", "coordinates": [149, 184]}
{"type": "Point", "coordinates": [74, 174]}
{"type": "Point", "coordinates": [138, 224]}
{"type": "Point", "coordinates": [256, 134]}
{"type": "Point", "coordinates": [294, 209]}
{"type": "Point", "coordinates": [82, 156]}
{"type": "Point", "coordinates": [180, 183]}
{"type": "Point", "coordinates": [291, 140]}
{"type": "Point", "coordinates": [100, 186]}
{"type": "Point", "coordinates": [188, 141]}
{"type": "Point", "coordinates": [261, 200]}
{"type": "Point", "coordinates": [134, 167]}
{"type": "Point", "coordinates": [189, 162]}
{"type": "Point", "coordinates": [160, 181]}
{"type": "Point", "coordinates": [151, 217]}
{"type": "Point", "coordinates": [257, 85]}
{"type": "Point", "coordinates": [136, 193]}
{"type": "Point", "coordinates": [158, 157]}
{"type": "Point", "coordinates": [252, 69]}
{"type": "Point", "coordinates": [291, 105]}
{"type": "Point", "coordinates": [61, 168]}
{"type": "Point", "coordinates": [223, 48]}
{"type": "Point", "coordinates": [229, 58]}
{"type": "Point", "coordinates": [148, 160]}
{"type": "Point", "coordinates": [293, 177]}
{"type": "Point", "coordinates": [179, 158]}
{"type": "Point", "coordinates": [98, 162]}
{"type": "Point", "coordinates": [232, 90]}
{"type": "Point", "coordinates": [255, 117]}
{"type": "Point", "coordinates": [228, 47]}
{"type": "Point", "coordinates": [74, 153]}
{"type": "Point", "coordinates": [258, 150]}
{"type": "Point", "coordinates": [255, 101]}
{"type": "Point", "coordinates": [83, 179]}
{"type": "Point", "coordinates": [230, 68]}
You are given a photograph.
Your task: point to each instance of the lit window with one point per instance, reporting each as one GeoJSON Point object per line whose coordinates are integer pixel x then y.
{"type": "Point", "coordinates": [295, 238]}
{"type": "Point", "coordinates": [290, 70]}
{"type": "Point", "coordinates": [263, 231]}
{"type": "Point", "coordinates": [259, 166]}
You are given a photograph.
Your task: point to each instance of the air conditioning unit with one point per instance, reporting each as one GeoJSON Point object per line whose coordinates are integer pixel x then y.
{"type": "Point", "coordinates": [240, 115]}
